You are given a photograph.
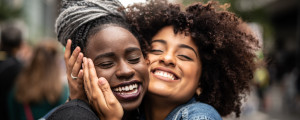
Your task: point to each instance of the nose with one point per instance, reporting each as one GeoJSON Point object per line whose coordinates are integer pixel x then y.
{"type": "Point", "coordinates": [168, 59]}
{"type": "Point", "coordinates": [125, 71]}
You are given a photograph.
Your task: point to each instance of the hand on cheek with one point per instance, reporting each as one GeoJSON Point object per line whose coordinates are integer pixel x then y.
{"type": "Point", "coordinates": [100, 94]}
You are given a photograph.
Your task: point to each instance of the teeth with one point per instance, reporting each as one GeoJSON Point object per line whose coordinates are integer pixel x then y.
{"type": "Point", "coordinates": [165, 74]}
{"type": "Point", "coordinates": [126, 88]}
{"type": "Point", "coordinates": [130, 87]}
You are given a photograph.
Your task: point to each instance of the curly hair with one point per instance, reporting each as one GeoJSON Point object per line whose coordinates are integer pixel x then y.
{"type": "Point", "coordinates": [226, 50]}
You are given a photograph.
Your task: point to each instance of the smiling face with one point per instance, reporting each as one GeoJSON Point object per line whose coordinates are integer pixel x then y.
{"type": "Point", "coordinates": [175, 66]}
{"type": "Point", "coordinates": [117, 56]}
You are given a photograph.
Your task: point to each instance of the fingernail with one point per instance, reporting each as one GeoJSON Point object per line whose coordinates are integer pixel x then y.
{"type": "Point", "coordinates": [102, 81]}
{"type": "Point", "coordinates": [84, 59]}
{"type": "Point", "coordinates": [91, 62]}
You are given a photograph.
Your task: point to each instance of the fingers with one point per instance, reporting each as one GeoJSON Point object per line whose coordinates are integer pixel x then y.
{"type": "Point", "coordinates": [72, 60]}
{"type": "Point", "coordinates": [93, 74]}
{"type": "Point", "coordinates": [75, 69]}
{"type": "Point", "coordinates": [97, 93]}
{"type": "Point", "coordinates": [114, 109]}
{"type": "Point", "coordinates": [80, 77]}
{"type": "Point", "coordinates": [110, 99]}
{"type": "Point", "coordinates": [73, 63]}
{"type": "Point", "coordinates": [72, 67]}
{"type": "Point", "coordinates": [68, 51]}
{"type": "Point", "coordinates": [86, 78]}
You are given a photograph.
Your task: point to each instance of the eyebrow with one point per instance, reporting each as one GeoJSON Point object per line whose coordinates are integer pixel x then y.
{"type": "Point", "coordinates": [109, 54]}
{"type": "Point", "coordinates": [131, 49]}
{"type": "Point", "coordinates": [160, 41]}
{"type": "Point", "coordinates": [188, 47]}
{"type": "Point", "coordinates": [181, 45]}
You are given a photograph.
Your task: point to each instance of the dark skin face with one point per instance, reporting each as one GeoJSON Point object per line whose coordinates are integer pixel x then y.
{"type": "Point", "coordinates": [117, 56]}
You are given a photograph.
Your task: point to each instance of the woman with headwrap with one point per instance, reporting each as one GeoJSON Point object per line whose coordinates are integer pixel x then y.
{"type": "Point", "coordinates": [111, 49]}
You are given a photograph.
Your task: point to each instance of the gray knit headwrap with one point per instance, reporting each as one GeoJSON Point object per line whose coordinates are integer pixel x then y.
{"type": "Point", "coordinates": [75, 13]}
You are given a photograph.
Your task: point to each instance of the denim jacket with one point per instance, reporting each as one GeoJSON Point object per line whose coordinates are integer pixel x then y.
{"type": "Point", "coordinates": [194, 110]}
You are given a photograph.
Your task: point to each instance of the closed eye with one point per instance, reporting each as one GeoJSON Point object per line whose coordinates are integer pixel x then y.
{"type": "Point", "coordinates": [184, 57]}
{"type": "Point", "coordinates": [106, 65]}
{"type": "Point", "coordinates": [156, 51]}
{"type": "Point", "coordinates": [135, 60]}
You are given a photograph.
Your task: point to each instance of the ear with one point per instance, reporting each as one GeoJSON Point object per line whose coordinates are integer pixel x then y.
{"type": "Point", "coordinates": [198, 91]}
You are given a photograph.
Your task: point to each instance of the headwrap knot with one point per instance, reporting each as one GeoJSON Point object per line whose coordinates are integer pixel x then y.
{"type": "Point", "coordinates": [75, 13]}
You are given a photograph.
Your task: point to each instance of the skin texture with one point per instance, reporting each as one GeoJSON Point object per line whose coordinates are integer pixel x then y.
{"type": "Point", "coordinates": [119, 60]}
{"type": "Point", "coordinates": [175, 54]}
{"type": "Point", "coordinates": [125, 63]}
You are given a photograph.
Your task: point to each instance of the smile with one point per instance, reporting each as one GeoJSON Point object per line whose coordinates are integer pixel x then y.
{"type": "Point", "coordinates": [127, 91]}
{"type": "Point", "coordinates": [164, 74]}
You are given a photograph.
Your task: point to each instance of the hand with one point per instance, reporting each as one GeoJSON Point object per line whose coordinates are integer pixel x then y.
{"type": "Point", "coordinates": [73, 64]}
{"type": "Point", "coordinates": [99, 94]}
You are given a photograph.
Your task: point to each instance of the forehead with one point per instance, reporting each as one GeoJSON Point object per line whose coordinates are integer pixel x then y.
{"type": "Point", "coordinates": [112, 37]}
{"type": "Point", "coordinates": [167, 34]}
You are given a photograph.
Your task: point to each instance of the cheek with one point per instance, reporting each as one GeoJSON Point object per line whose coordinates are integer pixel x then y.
{"type": "Point", "coordinates": [151, 58]}
{"type": "Point", "coordinates": [191, 73]}
{"type": "Point", "coordinates": [106, 73]}
{"type": "Point", "coordinates": [141, 69]}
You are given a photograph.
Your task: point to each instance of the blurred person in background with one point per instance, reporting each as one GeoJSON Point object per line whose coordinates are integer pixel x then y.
{"type": "Point", "coordinates": [39, 87]}
{"type": "Point", "coordinates": [10, 66]}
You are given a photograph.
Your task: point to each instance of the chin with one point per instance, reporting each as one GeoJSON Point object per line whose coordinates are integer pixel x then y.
{"type": "Point", "coordinates": [158, 92]}
{"type": "Point", "coordinates": [131, 105]}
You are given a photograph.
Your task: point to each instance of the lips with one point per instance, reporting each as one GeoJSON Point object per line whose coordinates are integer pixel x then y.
{"type": "Point", "coordinates": [127, 90]}
{"type": "Point", "coordinates": [164, 74]}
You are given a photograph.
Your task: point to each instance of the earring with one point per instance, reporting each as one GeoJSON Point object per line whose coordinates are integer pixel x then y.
{"type": "Point", "coordinates": [198, 91]}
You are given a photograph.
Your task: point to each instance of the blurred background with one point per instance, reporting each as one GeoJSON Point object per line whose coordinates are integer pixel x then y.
{"type": "Point", "coordinates": [275, 94]}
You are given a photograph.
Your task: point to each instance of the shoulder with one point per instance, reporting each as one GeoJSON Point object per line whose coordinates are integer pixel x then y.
{"type": "Point", "coordinates": [73, 110]}
{"type": "Point", "coordinates": [199, 111]}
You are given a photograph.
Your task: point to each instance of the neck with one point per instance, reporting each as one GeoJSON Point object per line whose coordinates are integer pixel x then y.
{"type": "Point", "coordinates": [158, 108]}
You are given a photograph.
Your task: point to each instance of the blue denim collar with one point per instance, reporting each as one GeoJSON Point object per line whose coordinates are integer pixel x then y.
{"type": "Point", "coordinates": [169, 117]}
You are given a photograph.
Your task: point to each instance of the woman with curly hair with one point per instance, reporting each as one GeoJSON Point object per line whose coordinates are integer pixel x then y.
{"type": "Point", "coordinates": [225, 53]}
{"type": "Point", "coordinates": [204, 44]}
{"type": "Point", "coordinates": [200, 60]}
